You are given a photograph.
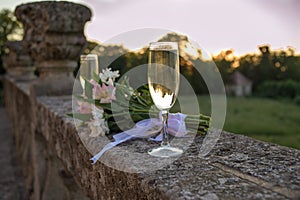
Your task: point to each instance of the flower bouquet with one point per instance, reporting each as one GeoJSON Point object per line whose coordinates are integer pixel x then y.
{"type": "Point", "coordinates": [106, 106]}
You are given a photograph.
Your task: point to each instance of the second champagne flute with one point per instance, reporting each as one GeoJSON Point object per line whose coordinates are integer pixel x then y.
{"type": "Point", "coordinates": [88, 66]}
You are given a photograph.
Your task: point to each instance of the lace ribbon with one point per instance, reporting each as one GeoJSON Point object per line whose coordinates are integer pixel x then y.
{"type": "Point", "coordinates": [145, 129]}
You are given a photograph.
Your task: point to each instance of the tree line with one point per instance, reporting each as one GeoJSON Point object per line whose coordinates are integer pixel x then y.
{"type": "Point", "coordinates": [265, 69]}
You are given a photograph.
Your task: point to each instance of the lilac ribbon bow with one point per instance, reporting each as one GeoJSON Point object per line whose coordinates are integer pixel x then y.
{"type": "Point", "coordinates": [145, 129]}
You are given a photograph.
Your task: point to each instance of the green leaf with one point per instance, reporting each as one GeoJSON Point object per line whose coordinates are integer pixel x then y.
{"type": "Point", "coordinates": [106, 106]}
{"type": "Point", "coordinates": [80, 116]}
{"type": "Point", "coordinates": [97, 78]}
{"type": "Point", "coordinates": [88, 89]}
{"type": "Point", "coordinates": [81, 98]}
{"type": "Point", "coordinates": [70, 114]}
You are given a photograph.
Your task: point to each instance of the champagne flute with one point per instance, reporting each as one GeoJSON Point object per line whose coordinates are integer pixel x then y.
{"type": "Point", "coordinates": [163, 80]}
{"type": "Point", "coordinates": [88, 66]}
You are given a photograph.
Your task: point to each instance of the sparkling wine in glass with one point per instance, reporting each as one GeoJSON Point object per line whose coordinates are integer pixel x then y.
{"type": "Point", "coordinates": [163, 80]}
{"type": "Point", "coordinates": [88, 67]}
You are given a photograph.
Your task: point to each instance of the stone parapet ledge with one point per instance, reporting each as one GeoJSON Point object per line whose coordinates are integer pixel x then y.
{"type": "Point", "coordinates": [238, 167]}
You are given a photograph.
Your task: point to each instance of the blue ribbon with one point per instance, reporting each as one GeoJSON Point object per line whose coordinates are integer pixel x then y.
{"type": "Point", "coordinates": [145, 129]}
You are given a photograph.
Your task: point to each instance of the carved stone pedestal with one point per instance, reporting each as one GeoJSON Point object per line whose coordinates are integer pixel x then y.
{"type": "Point", "coordinates": [55, 78]}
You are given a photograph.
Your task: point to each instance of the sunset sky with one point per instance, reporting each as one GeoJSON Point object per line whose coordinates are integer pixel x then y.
{"type": "Point", "coordinates": [214, 24]}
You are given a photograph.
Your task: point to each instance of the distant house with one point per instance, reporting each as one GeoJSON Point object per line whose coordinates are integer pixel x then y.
{"type": "Point", "coordinates": [238, 85]}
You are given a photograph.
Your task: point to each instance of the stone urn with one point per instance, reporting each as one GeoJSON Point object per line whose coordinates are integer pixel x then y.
{"type": "Point", "coordinates": [54, 37]}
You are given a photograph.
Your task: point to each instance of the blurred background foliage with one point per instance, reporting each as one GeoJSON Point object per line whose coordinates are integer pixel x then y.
{"type": "Point", "coordinates": [274, 73]}
{"type": "Point", "coordinates": [10, 30]}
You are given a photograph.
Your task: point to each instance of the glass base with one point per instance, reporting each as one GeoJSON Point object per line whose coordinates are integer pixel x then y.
{"type": "Point", "coordinates": [165, 152]}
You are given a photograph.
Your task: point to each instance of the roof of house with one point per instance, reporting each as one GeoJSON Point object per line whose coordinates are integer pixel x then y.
{"type": "Point", "coordinates": [238, 78]}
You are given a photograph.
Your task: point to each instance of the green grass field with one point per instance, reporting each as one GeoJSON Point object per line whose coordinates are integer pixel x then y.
{"type": "Point", "coordinates": [263, 119]}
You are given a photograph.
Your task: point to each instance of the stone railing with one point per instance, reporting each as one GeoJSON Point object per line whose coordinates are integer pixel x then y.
{"type": "Point", "coordinates": [55, 162]}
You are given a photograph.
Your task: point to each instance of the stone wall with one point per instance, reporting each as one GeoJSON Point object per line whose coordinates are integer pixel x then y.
{"type": "Point", "coordinates": [55, 161]}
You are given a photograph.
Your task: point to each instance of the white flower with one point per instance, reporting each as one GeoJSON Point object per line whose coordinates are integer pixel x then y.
{"type": "Point", "coordinates": [108, 76]}
{"type": "Point", "coordinates": [98, 125]}
{"type": "Point", "coordinates": [97, 113]}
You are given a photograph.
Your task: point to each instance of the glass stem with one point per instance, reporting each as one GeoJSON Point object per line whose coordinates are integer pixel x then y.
{"type": "Point", "coordinates": [165, 137]}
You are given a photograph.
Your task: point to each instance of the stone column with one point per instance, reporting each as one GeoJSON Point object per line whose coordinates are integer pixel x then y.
{"type": "Point", "coordinates": [18, 63]}
{"type": "Point", "coordinates": [54, 37]}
